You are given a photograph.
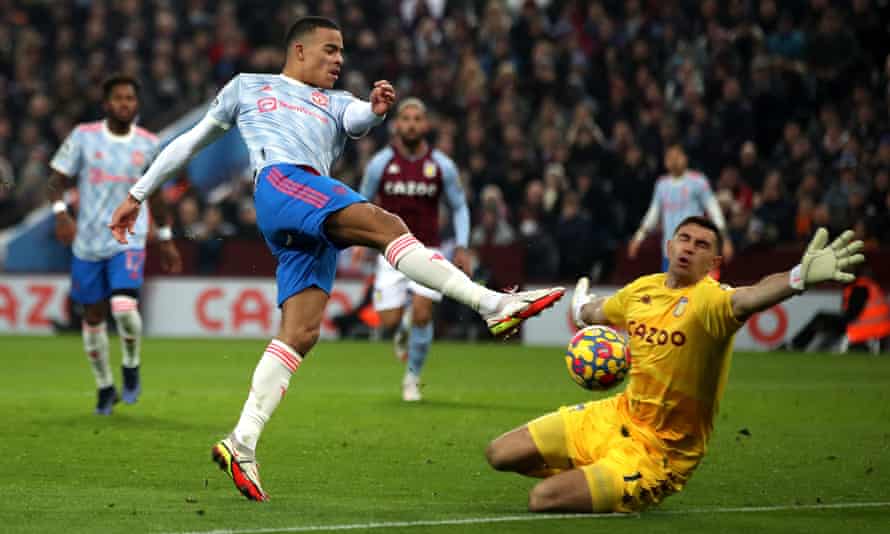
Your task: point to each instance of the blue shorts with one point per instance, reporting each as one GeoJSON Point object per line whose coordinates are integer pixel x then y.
{"type": "Point", "coordinates": [94, 281]}
{"type": "Point", "coordinates": [292, 205]}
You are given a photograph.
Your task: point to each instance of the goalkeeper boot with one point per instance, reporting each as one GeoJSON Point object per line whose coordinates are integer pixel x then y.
{"type": "Point", "coordinates": [132, 385]}
{"type": "Point", "coordinates": [517, 307]}
{"type": "Point", "coordinates": [240, 464]}
{"type": "Point", "coordinates": [106, 398]}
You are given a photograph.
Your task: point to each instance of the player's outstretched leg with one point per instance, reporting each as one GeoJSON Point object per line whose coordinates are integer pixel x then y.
{"type": "Point", "coordinates": [368, 225]}
{"type": "Point", "coordinates": [125, 310]}
{"type": "Point", "coordinates": [503, 312]}
{"type": "Point", "coordinates": [95, 344]}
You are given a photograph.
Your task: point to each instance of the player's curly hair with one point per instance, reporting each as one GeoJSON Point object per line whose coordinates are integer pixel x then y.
{"type": "Point", "coordinates": [305, 25]}
{"type": "Point", "coordinates": [119, 79]}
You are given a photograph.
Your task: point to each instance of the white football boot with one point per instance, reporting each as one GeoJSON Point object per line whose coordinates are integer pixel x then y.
{"type": "Point", "coordinates": [517, 307]}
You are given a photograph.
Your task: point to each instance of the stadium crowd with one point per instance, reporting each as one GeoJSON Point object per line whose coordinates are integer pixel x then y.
{"type": "Point", "coordinates": [557, 112]}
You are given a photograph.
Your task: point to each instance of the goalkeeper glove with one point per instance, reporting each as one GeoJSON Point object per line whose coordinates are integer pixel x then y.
{"type": "Point", "coordinates": [821, 263]}
{"type": "Point", "coordinates": [579, 298]}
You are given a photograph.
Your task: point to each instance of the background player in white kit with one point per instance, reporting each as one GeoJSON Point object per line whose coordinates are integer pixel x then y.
{"type": "Point", "coordinates": [295, 127]}
{"type": "Point", "coordinates": [679, 194]}
{"type": "Point", "coordinates": [409, 179]}
{"type": "Point", "coordinates": [106, 158]}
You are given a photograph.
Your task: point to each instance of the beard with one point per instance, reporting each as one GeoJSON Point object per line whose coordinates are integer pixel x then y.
{"type": "Point", "coordinates": [411, 143]}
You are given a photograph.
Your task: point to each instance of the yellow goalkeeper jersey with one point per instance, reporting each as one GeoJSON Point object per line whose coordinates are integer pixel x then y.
{"type": "Point", "coordinates": [681, 347]}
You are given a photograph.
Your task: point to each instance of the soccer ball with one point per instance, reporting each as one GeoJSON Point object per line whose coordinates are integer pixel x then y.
{"type": "Point", "coordinates": [598, 358]}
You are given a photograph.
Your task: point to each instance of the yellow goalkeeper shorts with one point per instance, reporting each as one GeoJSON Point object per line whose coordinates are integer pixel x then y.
{"type": "Point", "coordinates": [624, 474]}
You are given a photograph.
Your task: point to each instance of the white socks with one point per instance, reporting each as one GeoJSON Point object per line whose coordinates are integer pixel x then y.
{"type": "Point", "coordinates": [431, 269]}
{"type": "Point", "coordinates": [125, 311]}
{"type": "Point", "coordinates": [270, 382]}
{"type": "Point", "coordinates": [95, 344]}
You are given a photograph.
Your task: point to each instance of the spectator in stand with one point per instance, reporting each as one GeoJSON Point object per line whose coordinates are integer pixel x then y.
{"type": "Point", "coordinates": [773, 213]}
{"type": "Point", "coordinates": [739, 191]}
{"type": "Point", "coordinates": [837, 197]}
{"type": "Point", "coordinates": [751, 170]}
{"type": "Point", "coordinates": [493, 228]}
{"type": "Point", "coordinates": [574, 227]}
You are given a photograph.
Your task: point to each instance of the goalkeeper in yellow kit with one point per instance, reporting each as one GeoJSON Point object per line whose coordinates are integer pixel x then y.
{"type": "Point", "coordinates": [629, 451]}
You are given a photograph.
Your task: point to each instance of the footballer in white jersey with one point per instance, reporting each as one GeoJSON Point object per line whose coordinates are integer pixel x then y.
{"type": "Point", "coordinates": [679, 194]}
{"type": "Point", "coordinates": [295, 126]}
{"type": "Point", "coordinates": [105, 158]}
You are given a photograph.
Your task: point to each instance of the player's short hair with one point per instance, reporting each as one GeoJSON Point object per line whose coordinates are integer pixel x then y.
{"type": "Point", "coordinates": [119, 79]}
{"type": "Point", "coordinates": [411, 102]}
{"type": "Point", "coordinates": [675, 146]}
{"type": "Point", "coordinates": [306, 25]}
{"type": "Point", "coordinates": [704, 222]}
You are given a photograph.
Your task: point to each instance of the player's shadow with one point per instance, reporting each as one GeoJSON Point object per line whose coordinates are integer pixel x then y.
{"type": "Point", "coordinates": [452, 405]}
{"type": "Point", "coordinates": [127, 422]}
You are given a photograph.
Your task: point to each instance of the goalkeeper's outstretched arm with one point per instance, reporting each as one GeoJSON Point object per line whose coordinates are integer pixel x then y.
{"type": "Point", "coordinates": [587, 308]}
{"type": "Point", "coordinates": [820, 263]}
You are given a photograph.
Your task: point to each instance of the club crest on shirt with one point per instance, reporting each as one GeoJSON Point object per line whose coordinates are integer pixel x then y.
{"type": "Point", "coordinates": [681, 306]}
{"type": "Point", "coordinates": [429, 169]}
{"type": "Point", "coordinates": [137, 158]}
{"type": "Point", "coordinates": [320, 99]}
{"type": "Point", "coordinates": [393, 168]}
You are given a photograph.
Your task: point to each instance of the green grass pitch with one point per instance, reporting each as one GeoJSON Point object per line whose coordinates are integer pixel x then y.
{"type": "Point", "coordinates": [794, 430]}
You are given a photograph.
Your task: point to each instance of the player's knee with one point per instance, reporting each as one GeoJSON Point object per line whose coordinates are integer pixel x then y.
{"type": "Point", "coordinates": [125, 310]}
{"type": "Point", "coordinates": [498, 456]}
{"type": "Point", "coordinates": [94, 314]}
{"type": "Point", "coordinates": [543, 498]}
{"type": "Point", "coordinates": [301, 338]}
{"type": "Point", "coordinates": [389, 225]}
{"type": "Point", "coordinates": [421, 317]}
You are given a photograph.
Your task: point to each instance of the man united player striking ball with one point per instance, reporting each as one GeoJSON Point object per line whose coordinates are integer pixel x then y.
{"type": "Point", "coordinates": [295, 127]}
{"type": "Point", "coordinates": [629, 451]}
{"type": "Point", "coordinates": [409, 179]}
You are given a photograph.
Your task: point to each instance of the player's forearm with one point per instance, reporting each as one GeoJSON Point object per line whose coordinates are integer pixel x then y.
{"type": "Point", "coordinates": [174, 156]}
{"type": "Point", "coordinates": [650, 220]}
{"type": "Point", "coordinates": [359, 118]}
{"type": "Point", "coordinates": [763, 295]}
{"type": "Point", "coordinates": [592, 312]}
{"type": "Point", "coordinates": [160, 212]}
{"type": "Point", "coordinates": [55, 187]}
{"type": "Point", "coordinates": [712, 207]}
{"type": "Point", "coordinates": [461, 216]}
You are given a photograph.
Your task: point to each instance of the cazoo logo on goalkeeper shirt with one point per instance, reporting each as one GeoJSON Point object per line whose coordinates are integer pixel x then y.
{"type": "Point", "coordinates": [655, 336]}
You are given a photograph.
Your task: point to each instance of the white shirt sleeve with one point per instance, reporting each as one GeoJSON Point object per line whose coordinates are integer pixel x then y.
{"type": "Point", "coordinates": [177, 154]}
{"type": "Point", "coordinates": [358, 118]}
{"type": "Point", "coordinates": [712, 207]}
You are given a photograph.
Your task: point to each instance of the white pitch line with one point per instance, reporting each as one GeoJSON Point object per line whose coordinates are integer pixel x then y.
{"type": "Point", "coordinates": [544, 517]}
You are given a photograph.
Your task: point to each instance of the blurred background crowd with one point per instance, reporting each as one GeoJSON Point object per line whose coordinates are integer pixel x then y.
{"type": "Point", "coordinates": [557, 113]}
